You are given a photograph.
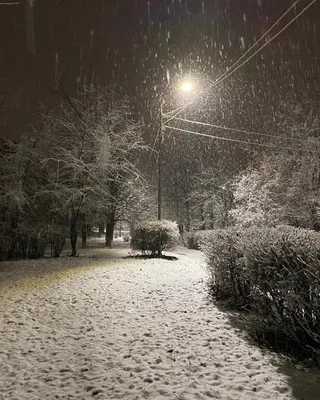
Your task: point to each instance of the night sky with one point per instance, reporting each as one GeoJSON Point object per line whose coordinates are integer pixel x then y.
{"type": "Point", "coordinates": [141, 47]}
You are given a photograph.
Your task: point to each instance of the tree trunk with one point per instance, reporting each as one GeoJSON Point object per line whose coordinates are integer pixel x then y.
{"type": "Point", "coordinates": [120, 229]}
{"type": "Point", "coordinates": [225, 212]}
{"type": "Point", "coordinates": [180, 227]}
{"type": "Point", "coordinates": [180, 222]}
{"type": "Point", "coordinates": [159, 246]}
{"type": "Point", "coordinates": [73, 233]}
{"type": "Point", "coordinates": [89, 230]}
{"type": "Point", "coordinates": [203, 220]}
{"type": "Point", "coordinates": [83, 231]}
{"type": "Point", "coordinates": [110, 227]}
{"type": "Point", "coordinates": [131, 230]}
{"type": "Point", "coordinates": [84, 236]}
{"type": "Point", "coordinates": [101, 230]}
{"type": "Point", "coordinates": [211, 226]}
{"type": "Point", "coordinates": [188, 219]}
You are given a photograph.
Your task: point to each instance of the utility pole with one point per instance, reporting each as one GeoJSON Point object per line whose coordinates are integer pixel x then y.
{"type": "Point", "coordinates": [185, 86]}
{"type": "Point", "coordinates": [159, 163]}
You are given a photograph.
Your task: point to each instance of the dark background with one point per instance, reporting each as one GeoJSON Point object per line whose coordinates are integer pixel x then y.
{"type": "Point", "coordinates": [135, 45]}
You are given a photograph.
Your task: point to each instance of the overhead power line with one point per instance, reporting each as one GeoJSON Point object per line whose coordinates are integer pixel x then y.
{"type": "Point", "coordinates": [228, 73]}
{"type": "Point", "coordinates": [237, 130]}
{"type": "Point", "coordinates": [236, 140]}
{"type": "Point", "coordinates": [259, 40]}
{"type": "Point", "coordinates": [180, 109]}
{"type": "Point", "coordinates": [153, 150]}
{"type": "Point", "coordinates": [266, 44]}
{"type": "Point", "coordinates": [172, 111]}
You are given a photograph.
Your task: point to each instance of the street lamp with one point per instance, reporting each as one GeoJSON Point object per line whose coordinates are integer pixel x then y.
{"type": "Point", "coordinates": [186, 87]}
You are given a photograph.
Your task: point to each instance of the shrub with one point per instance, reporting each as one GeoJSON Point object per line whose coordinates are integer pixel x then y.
{"type": "Point", "coordinates": [229, 281]}
{"type": "Point", "coordinates": [36, 245]}
{"type": "Point", "coordinates": [276, 273]}
{"type": "Point", "coordinates": [284, 264]}
{"type": "Point", "coordinates": [155, 237]}
{"type": "Point", "coordinates": [5, 244]}
{"type": "Point", "coordinates": [32, 242]}
{"type": "Point", "coordinates": [126, 237]}
{"type": "Point", "coordinates": [194, 238]}
{"type": "Point", "coordinates": [58, 240]}
{"type": "Point", "coordinates": [28, 242]}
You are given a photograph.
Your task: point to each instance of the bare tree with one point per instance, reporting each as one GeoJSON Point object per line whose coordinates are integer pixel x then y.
{"type": "Point", "coordinates": [92, 145]}
{"type": "Point", "coordinates": [78, 164]}
{"type": "Point", "coordinates": [211, 199]}
{"type": "Point", "coordinates": [25, 206]}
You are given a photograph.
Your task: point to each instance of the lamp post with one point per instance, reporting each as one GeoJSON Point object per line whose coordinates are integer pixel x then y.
{"type": "Point", "coordinates": [160, 162]}
{"type": "Point", "coordinates": [185, 86]}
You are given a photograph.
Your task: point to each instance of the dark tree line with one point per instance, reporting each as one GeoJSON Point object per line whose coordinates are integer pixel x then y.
{"type": "Point", "coordinates": [75, 170]}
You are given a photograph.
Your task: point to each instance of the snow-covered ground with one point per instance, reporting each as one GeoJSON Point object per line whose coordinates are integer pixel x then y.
{"type": "Point", "coordinates": [114, 328]}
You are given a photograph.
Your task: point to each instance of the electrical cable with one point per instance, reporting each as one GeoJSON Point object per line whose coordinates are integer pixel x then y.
{"type": "Point", "coordinates": [226, 74]}
{"type": "Point", "coordinates": [268, 42]}
{"type": "Point", "coordinates": [259, 40]}
{"type": "Point", "coordinates": [237, 130]}
{"type": "Point", "coordinates": [235, 140]}
{"type": "Point", "coordinates": [153, 149]}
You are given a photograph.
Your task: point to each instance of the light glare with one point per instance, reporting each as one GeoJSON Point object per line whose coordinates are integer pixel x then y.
{"type": "Point", "coordinates": [187, 86]}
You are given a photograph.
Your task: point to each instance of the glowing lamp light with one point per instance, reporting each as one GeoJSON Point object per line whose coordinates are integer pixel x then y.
{"type": "Point", "coordinates": [187, 86]}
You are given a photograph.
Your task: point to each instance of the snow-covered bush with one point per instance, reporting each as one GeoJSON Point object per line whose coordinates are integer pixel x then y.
{"type": "Point", "coordinates": [229, 280]}
{"type": "Point", "coordinates": [126, 237]}
{"type": "Point", "coordinates": [284, 266]}
{"type": "Point", "coordinates": [283, 188]}
{"type": "Point", "coordinates": [253, 201]}
{"type": "Point", "coordinates": [155, 237]}
{"type": "Point", "coordinates": [275, 272]}
{"type": "Point", "coordinates": [194, 238]}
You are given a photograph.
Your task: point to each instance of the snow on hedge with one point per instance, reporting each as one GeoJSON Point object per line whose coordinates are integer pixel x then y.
{"type": "Point", "coordinates": [155, 236]}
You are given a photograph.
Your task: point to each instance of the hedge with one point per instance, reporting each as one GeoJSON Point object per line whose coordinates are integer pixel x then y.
{"type": "Point", "coordinates": [275, 273]}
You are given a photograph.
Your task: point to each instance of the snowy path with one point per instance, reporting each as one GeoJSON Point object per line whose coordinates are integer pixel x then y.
{"type": "Point", "coordinates": [125, 329]}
